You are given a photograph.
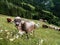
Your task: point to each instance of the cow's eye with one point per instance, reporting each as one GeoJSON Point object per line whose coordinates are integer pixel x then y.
{"type": "Point", "coordinates": [15, 20]}
{"type": "Point", "coordinates": [19, 20]}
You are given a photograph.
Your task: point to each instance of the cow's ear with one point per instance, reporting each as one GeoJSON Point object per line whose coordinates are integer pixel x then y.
{"type": "Point", "coordinates": [14, 20]}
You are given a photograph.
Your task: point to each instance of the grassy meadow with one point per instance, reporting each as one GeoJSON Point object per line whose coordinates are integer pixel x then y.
{"type": "Point", "coordinates": [42, 36]}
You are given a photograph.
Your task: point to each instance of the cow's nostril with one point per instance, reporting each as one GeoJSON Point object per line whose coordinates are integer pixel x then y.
{"type": "Point", "coordinates": [17, 24]}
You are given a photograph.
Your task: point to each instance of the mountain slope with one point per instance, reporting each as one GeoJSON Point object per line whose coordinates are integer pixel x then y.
{"type": "Point", "coordinates": [41, 36]}
{"type": "Point", "coordinates": [31, 9]}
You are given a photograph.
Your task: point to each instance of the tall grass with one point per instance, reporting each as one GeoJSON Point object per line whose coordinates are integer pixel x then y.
{"type": "Point", "coordinates": [41, 36]}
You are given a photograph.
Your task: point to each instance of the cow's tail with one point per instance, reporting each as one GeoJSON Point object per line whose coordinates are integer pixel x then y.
{"type": "Point", "coordinates": [36, 25]}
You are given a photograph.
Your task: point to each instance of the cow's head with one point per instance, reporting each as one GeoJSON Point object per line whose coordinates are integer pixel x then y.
{"type": "Point", "coordinates": [17, 21]}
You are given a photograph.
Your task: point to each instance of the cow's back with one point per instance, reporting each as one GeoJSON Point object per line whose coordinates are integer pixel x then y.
{"type": "Point", "coordinates": [29, 26]}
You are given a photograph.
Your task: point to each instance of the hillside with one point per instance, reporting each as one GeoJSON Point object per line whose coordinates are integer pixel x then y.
{"type": "Point", "coordinates": [42, 36]}
{"type": "Point", "coordinates": [32, 9]}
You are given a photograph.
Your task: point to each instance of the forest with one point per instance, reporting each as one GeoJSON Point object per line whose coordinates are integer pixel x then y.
{"type": "Point", "coordinates": [32, 9]}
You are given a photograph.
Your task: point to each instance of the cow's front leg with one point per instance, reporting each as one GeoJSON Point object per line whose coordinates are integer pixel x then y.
{"type": "Point", "coordinates": [21, 33]}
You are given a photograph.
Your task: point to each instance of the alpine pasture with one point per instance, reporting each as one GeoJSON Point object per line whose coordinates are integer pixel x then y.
{"type": "Point", "coordinates": [42, 36]}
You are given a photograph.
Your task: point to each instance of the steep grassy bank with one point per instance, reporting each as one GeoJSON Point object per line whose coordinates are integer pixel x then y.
{"type": "Point", "coordinates": [42, 36]}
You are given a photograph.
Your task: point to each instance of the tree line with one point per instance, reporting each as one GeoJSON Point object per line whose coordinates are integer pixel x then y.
{"type": "Point", "coordinates": [32, 9]}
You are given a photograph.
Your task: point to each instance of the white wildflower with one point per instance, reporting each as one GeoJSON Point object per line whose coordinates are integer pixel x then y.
{"type": "Point", "coordinates": [6, 30]}
{"type": "Point", "coordinates": [12, 39]}
{"type": "Point", "coordinates": [1, 30]}
{"type": "Point", "coordinates": [42, 41]}
{"type": "Point", "coordinates": [7, 37]}
{"type": "Point", "coordinates": [39, 42]}
{"type": "Point", "coordinates": [1, 38]}
{"type": "Point", "coordinates": [17, 36]}
{"type": "Point", "coordinates": [8, 33]}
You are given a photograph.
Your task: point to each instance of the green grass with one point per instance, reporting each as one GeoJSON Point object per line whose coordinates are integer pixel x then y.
{"type": "Point", "coordinates": [42, 36]}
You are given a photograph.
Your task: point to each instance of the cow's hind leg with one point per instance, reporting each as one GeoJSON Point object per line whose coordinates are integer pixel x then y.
{"type": "Point", "coordinates": [27, 35]}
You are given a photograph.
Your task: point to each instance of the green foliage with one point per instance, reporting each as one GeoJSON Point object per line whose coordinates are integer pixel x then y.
{"type": "Point", "coordinates": [32, 9]}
